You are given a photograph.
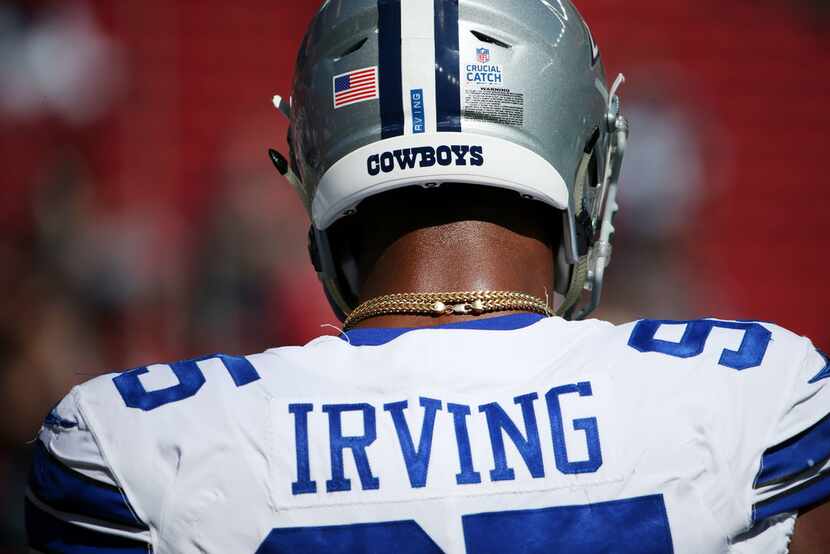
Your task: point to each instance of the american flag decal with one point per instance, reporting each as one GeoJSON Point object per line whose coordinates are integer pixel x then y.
{"type": "Point", "coordinates": [355, 86]}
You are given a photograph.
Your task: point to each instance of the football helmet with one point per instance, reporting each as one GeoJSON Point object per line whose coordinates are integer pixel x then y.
{"type": "Point", "coordinates": [498, 93]}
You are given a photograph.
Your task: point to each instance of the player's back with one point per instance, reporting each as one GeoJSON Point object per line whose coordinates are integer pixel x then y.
{"type": "Point", "coordinates": [512, 434]}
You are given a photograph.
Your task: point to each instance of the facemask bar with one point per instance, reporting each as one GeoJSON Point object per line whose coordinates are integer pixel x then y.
{"type": "Point", "coordinates": [600, 254]}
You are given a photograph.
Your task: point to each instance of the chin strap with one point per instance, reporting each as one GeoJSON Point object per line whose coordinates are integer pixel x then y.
{"type": "Point", "coordinates": [579, 275]}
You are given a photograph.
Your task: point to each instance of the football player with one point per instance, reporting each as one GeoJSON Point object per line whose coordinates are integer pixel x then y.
{"type": "Point", "coordinates": [459, 162]}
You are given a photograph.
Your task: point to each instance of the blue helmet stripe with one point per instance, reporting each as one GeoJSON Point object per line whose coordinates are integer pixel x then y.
{"type": "Point", "coordinates": [389, 68]}
{"type": "Point", "coordinates": [447, 78]}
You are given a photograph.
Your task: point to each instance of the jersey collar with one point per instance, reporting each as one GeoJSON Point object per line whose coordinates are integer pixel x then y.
{"type": "Point", "coordinates": [378, 336]}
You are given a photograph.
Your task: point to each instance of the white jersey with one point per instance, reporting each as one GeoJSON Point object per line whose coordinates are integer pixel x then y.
{"type": "Point", "coordinates": [511, 434]}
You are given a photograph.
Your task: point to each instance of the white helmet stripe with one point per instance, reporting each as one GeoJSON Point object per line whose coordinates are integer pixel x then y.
{"type": "Point", "coordinates": [418, 43]}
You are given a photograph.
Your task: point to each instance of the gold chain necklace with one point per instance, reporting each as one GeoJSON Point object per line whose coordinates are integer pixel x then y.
{"type": "Point", "coordinates": [447, 303]}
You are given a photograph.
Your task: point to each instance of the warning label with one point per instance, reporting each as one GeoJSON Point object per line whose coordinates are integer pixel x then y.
{"type": "Point", "coordinates": [497, 105]}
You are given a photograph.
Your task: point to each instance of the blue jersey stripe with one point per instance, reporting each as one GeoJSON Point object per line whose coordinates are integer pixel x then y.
{"type": "Point", "coordinates": [66, 490]}
{"type": "Point", "coordinates": [390, 75]}
{"type": "Point", "coordinates": [47, 533]}
{"type": "Point", "coordinates": [803, 496]}
{"type": "Point", "coordinates": [367, 336]}
{"type": "Point", "coordinates": [447, 77]}
{"type": "Point", "coordinates": [806, 450]}
{"type": "Point", "coordinates": [825, 372]}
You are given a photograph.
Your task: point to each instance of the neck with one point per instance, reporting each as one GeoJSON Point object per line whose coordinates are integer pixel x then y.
{"type": "Point", "coordinates": [454, 257]}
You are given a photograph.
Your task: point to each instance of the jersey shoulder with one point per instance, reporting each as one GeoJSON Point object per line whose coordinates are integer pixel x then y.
{"type": "Point", "coordinates": [108, 455]}
{"type": "Point", "coordinates": [198, 400]}
{"type": "Point", "coordinates": [763, 388]}
{"type": "Point", "coordinates": [74, 499]}
{"type": "Point", "coordinates": [751, 340]}
{"type": "Point", "coordinates": [210, 383]}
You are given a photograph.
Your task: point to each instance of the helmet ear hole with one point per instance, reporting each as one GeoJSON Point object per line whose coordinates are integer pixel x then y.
{"type": "Point", "coordinates": [592, 142]}
{"type": "Point", "coordinates": [589, 173]}
{"type": "Point", "coordinates": [592, 189]}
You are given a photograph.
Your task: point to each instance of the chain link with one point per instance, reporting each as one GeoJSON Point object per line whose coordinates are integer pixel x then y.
{"type": "Point", "coordinates": [447, 303]}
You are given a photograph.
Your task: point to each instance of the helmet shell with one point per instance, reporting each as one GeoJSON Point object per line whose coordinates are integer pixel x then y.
{"type": "Point", "coordinates": [393, 93]}
{"type": "Point", "coordinates": [520, 79]}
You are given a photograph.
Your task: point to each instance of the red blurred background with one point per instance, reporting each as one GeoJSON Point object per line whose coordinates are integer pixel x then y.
{"type": "Point", "coordinates": [141, 221]}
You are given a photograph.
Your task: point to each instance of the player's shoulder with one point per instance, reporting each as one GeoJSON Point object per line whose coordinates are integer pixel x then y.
{"type": "Point", "coordinates": [715, 361]}
{"type": "Point", "coordinates": [74, 498]}
{"type": "Point", "coordinates": [755, 370]}
{"type": "Point", "coordinates": [163, 386]}
{"type": "Point", "coordinates": [759, 389]}
{"type": "Point", "coordinates": [94, 447]}
{"type": "Point", "coordinates": [187, 400]}
{"type": "Point", "coordinates": [731, 343]}
{"type": "Point", "coordinates": [67, 438]}
{"type": "Point", "coordinates": [209, 390]}
{"type": "Point", "coordinates": [709, 323]}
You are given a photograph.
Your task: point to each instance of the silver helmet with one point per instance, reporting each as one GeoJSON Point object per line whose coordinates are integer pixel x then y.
{"type": "Point", "coordinates": [501, 93]}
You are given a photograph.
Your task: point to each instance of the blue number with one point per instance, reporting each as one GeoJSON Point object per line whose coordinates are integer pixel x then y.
{"type": "Point", "coordinates": [190, 379]}
{"type": "Point", "coordinates": [634, 525]}
{"type": "Point", "coordinates": [749, 354]}
{"type": "Point", "coordinates": [401, 537]}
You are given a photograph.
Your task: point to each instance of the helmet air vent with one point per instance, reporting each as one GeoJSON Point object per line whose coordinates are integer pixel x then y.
{"type": "Point", "coordinates": [490, 40]}
{"type": "Point", "coordinates": [351, 49]}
